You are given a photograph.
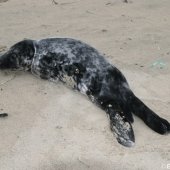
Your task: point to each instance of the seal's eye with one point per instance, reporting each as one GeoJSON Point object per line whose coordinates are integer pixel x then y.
{"type": "Point", "coordinates": [13, 56]}
{"type": "Point", "coordinates": [13, 60]}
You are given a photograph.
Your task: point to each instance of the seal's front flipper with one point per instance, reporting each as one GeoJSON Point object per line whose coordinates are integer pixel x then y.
{"type": "Point", "coordinates": [122, 129]}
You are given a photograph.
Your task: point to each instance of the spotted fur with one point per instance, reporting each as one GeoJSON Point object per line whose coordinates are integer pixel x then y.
{"type": "Point", "coordinates": [83, 68]}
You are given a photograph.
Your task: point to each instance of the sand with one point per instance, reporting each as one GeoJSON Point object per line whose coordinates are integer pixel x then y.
{"type": "Point", "coordinates": [51, 127]}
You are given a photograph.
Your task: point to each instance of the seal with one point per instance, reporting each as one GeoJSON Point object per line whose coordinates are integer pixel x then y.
{"type": "Point", "coordinates": [83, 68]}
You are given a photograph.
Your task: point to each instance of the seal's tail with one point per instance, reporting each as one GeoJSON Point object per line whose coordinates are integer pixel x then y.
{"type": "Point", "coordinates": [150, 118]}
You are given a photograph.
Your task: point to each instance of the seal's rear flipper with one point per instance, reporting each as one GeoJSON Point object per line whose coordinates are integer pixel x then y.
{"type": "Point", "coordinates": [120, 119]}
{"type": "Point", "coordinates": [122, 129]}
{"type": "Point", "coordinates": [150, 118]}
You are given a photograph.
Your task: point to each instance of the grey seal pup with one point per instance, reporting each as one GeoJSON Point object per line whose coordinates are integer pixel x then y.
{"type": "Point", "coordinates": [83, 68]}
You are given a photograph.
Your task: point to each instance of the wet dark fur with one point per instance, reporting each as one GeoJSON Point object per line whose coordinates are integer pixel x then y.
{"type": "Point", "coordinates": [83, 68]}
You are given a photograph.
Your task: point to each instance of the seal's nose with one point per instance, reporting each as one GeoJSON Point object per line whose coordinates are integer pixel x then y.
{"type": "Point", "coordinates": [4, 63]}
{"type": "Point", "coordinates": [1, 58]}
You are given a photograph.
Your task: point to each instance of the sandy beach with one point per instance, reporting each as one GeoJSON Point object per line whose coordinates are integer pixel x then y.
{"type": "Point", "coordinates": [51, 127]}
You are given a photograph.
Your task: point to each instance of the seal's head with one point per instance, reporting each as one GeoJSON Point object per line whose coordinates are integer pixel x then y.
{"type": "Point", "coordinates": [19, 56]}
